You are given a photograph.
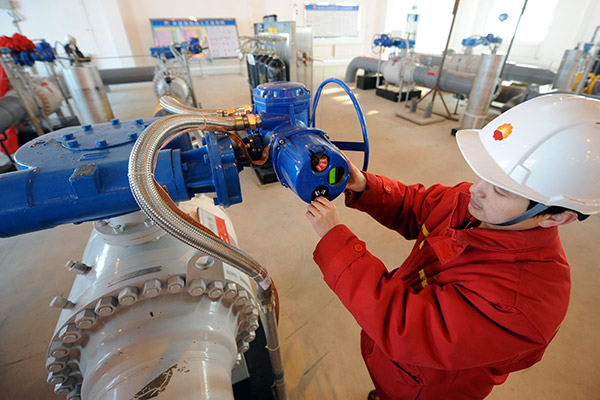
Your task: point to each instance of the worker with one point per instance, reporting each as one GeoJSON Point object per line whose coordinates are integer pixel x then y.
{"type": "Point", "coordinates": [75, 55]}
{"type": "Point", "coordinates": [486, 285]}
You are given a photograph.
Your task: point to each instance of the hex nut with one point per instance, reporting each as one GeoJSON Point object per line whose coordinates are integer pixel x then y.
{"type": "Point", "coordinates": [61, 303]}
{"type": "Point", "coordinates": [58, 377]}
{"type": "Point", "coordinates": [106, 306]}
{"type": "Point", "coordinates": [215, 289]}
{"type": "Point", "coordinates": [244, 347]}
{"type": "Point", "coordinates": [205, 262]}
{"type": "Point", "coordinates": [78, 267]}
{"type": "Point", "coordinates": [75, 394]}
{"type": "Point", "coordinates": [86, 319]}
{"type": "Point", "coordinates": [152, 288]}
{"type": "Point", "coordinates": [197, 287]}
{"type": "Point", "coordinates": [251, 326]}
{"type": "Point", "coordinates": [252, 316]}
{"type": "Point", "coordinates": [128, 295]}
{"type": "Point", "coordinates": [69, 333]}
{"type": "Point", "coordinates": [249, 308]}
{"type": "Point", "coordinates": [59, 349]}
{"type": "Point", "coordinates": [248, 337]}
{"type": "Point", "coordinates": [55, 364]}
{"type": "Point", "coordinates": [175, 284]}
{"type": "Point", "coordinates": [66, 387]}
{"type": "Point", "coordinates": [230, 291]}
{"type": "Point", "coordinates": [242, 298]}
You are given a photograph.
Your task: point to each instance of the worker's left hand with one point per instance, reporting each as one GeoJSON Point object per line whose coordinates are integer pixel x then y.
{"type": "Point", "coordinates": [323, 215]}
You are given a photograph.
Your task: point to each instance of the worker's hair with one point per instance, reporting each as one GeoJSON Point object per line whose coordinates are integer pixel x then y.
{"type": "Point", "coordinates": [553, 210]}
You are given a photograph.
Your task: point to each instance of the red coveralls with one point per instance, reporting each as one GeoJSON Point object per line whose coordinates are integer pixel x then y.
{"type": "Point", "coordinates": [467, 307]}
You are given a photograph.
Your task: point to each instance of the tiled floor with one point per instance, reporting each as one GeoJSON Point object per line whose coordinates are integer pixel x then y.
{"type": "Point", "coordinates": [319, 338]}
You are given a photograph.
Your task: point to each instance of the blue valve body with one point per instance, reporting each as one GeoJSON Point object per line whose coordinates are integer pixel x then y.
{"type": "Point", "coordinates": [87, 179]}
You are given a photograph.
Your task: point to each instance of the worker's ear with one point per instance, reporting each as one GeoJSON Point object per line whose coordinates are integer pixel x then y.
{"type": "Point", "coordinates": [550, 220]}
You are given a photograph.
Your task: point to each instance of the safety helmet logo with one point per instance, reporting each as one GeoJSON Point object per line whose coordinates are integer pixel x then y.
{"type": "Point", "coordinates": [503, 131]}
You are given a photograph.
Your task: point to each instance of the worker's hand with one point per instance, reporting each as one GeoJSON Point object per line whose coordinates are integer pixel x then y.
{"type": "Point", "coordinates": [323, 215]}
{"type": "Point", "coordinates": [356, 181]}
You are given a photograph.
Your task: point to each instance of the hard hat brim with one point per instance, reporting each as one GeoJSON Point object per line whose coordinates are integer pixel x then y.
{"type": "Point", "coordinates": [486, 168]}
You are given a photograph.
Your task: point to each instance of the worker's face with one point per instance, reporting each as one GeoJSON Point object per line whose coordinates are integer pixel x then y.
{"type": "Point", "coordinates": [493, 205]}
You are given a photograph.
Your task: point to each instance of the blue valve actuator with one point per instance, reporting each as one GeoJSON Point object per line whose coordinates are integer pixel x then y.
{"type": "Point", "coordinates": [303, 158]}
{"type": "Point", "coordinates": [482, 40]}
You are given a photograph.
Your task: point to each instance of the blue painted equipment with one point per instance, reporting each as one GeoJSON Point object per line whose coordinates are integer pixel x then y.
{"type": "Point", "coordinates": [385, 40]}
{"type": "Point", "coordinates": [193, 46]}
{"type": "Point", "coordinates": [487, 40]}
{"type": "Point", "coordinates": [79, 174]}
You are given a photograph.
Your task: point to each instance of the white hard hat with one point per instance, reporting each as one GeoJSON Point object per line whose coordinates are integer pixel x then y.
{"type": "Point", "coordinates": [546, 149]}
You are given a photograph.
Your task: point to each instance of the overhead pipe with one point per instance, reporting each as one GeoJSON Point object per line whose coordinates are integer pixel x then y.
{"type": "Point", "coordinates": [116, 76]}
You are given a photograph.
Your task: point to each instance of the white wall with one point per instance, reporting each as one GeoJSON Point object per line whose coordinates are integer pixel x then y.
{"type": "Point", "coordinates": [117, 32]}
{"type": "Point", "coordinates": [571, 22]}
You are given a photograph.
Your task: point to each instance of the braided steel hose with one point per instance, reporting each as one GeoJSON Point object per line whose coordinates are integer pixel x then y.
{"type": "Point", "coordinates": [156, 204]}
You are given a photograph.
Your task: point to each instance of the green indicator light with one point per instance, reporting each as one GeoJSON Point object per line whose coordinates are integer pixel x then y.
{"type": "Point", "coordinates": [332, 180]}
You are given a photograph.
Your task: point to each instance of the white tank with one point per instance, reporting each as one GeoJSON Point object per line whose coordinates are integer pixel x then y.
{"type": "Point", "coordinates": [87, 90]}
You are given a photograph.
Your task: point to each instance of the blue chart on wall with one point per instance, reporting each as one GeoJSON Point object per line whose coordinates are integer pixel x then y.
{"type": "Point", "coordinates": [219, 35]}
{"type": "Point", "coordinates": [331, 21]}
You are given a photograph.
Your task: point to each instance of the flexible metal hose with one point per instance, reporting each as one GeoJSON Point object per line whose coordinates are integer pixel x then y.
{"type": "Point", "coordinates": [155, 203]}
{"type": "Point", "coordinates": [174, 106]}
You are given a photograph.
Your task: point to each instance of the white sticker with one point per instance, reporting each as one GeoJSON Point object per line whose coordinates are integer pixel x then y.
{"type": "Point", "coordinates": [250, 58]}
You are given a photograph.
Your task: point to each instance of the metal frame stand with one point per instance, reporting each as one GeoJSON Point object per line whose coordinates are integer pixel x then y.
{"type": "Point", "coordinates": [436, 89]}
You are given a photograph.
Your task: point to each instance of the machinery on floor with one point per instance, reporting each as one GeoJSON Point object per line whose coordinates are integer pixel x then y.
{"type": "Point", "coordinates": [172, 76]}
{"type": "Point", "coordinates": [152, 315]}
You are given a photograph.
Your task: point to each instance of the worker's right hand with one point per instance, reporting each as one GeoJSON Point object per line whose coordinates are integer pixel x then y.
{"type": "Point", "coordinates": [356, 181]}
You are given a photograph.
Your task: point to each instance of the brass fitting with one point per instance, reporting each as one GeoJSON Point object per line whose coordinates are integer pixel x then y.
{"type": "Point", "coordinates": [232, 111]}
{"type": "Point", "coordinates": [250, 121]}
{"type": "Point", "coordinates": [246, 109]}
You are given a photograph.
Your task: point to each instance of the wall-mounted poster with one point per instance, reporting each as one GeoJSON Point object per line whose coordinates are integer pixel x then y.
{"type": "Point", "coordinates": [331, 21]}
{"type": "Point", "coordinates": [219, 35]}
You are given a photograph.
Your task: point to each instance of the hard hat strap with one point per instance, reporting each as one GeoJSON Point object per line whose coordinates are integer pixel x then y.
{"type": "Point", "coordinates": [532, 212]}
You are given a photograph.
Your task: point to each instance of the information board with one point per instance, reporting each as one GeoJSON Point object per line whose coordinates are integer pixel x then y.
{"type": "Point", "coordinates": [219, 35]}
{"type": "Point", "coordinates": [330, 21]}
